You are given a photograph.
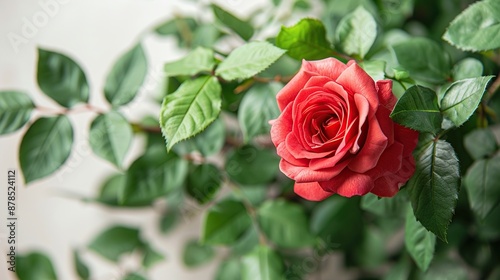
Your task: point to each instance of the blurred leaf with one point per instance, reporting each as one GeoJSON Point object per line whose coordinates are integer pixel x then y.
{"type": "Point", "coordinates": [477, 28]}
{"type": "Point", "coordinates": [462, 98]}
{"type": "Point", "coordinates": [418, 109]}
{"type": "Point", "coordinates": [151, 257]}
{"type": "Point", "coordinates": [338, 221]}
{"type": "Point", "coordinates": [198, 60]}
{"type": "Point", "coordinates": [370, 253]}
{"type": "Point", "coordinates": [134, 276]}
{"type": "Point", "coordinates": [225, 222]}
{"type": "Point", "coordinates": [254, 194]}
{"type": "Point", "coordinates": [176, 26]}
{"type": "Point", "coordinates": [480, 143]}
{"type": "Point", "coordinates": [110, 137]}
{"type": "Point", "coordinates": [116, 241]}
{"type": "Point", "coordinates": [61, 78]}
{"type": "Point", "coordinates": [203, 182]}
{"type": "Point", "coordinates": [190, 109]}
{"type": "Point", "coordinates": [113, 188]}
{"type": "Point", "coordinates": [249, 165]}
{"type": "Point", "coordinates": [209, 142]}
{"type": "Point", "coordinates": [240, 27]}
{"type": "Point", "coordinates": [489, 228]}
{"type": "Point", "coordinates": [305, 40]}
{"type": "Point", "coordinates": [285, 224]}
{"type": "Point", "coordinates": [424, 59]}
{"type": "Point", "coordinates": [401, 270]}
{"type": "Point", "coordinates": [384, 206]}
{"type": "Point", "coordinates": [356, 32]}
{"type": "Point", "coordinates": [419, 242]}
{"type": "Point", "coordinates": [45, 147]}
{"type": "Point", "coordinates": [262, 264]}
{"type": "Point", "coordinates": [247, 242]}
{"type": "Point", "coordinates": [126, 77]}
{"type": "Point", "coordinates": [205, 36]}
{"type": "Point", "coordinates": [467, 68]}
{"type": "Point", "coordinates": [445, 269]}
{"type": "Point", "coordinates": [34, 265]}
{"type": "Point", "coordinates": [169, 219]}
{"type": "Point", "coordinates": [196, 254]}
{"type": "Point", "coordinates": [257, 108]}
{"type": "Point", "coordinates": [154, 175]}
{"type": "Point", "coordinates": [15, 110]}
{"type": "Point", "coordinates": [248, 60]}
{"type": "Point", "coordinates": [229, 269]}
{"type": "Point", "coordinates": [374, 68]}
{"type": "Point", "coordinates": [81, 268]}
{"type": "Point", "coordinates": [481, 182]}
{"type": "Point", "coordinates": [283, 67]}
{"type": "Point", "coordinates": [434, 186]}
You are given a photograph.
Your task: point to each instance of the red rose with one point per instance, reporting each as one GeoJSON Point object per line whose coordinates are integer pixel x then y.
{"type": "Point", "coordinates": [334, 134]}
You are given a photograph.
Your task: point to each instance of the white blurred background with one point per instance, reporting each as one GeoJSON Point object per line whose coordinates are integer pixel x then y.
{"type": "Point", "coordinates": [94, 33]}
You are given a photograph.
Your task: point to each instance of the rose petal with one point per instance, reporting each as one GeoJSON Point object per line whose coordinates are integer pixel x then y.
{"type": "Point", "coordinates": [374, 146]}
{"type": "Point", "coordinates": [304, 174]}
{"type": "Point", "coordinates": [329, 67]}
{"type": "Point", "coordinates": [386, 123]}
{"type": "Point", "coordinates": [389, 162]}
{"type": "Point", "coordinates": [311, 191]}
{"type": "Point", "coordinates": [283, 152]}
{"type": "Point", "coordinates": [355, 80]}
{"type": "Point", "coordinates": [317, 81]}
{"type": "Point", "coordinates": [388, 186]}
{"type": "Point", "coordinates": [407, 137]}
{"type": "Point", "coordinates": [349, 184]}
{"type": "Point", "coordinates": [282, 126]}
{"type": "Point", "coordinates": [385, 95]}
{"type": "Point", "coordinates": [288, 93]}
{"type": "Point", "coordinates": [363, 107]}
{"type": "Point", "coordinates": [299, 151]}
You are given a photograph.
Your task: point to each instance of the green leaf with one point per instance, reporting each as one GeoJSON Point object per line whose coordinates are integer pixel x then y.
{"type": "Point", "coordinates": [467, 68]}
{"type": "Point", "coordinates": [434, 186]}
{"type": "Point", "coordinates": [384, 206]}
{"type": "Point", "coordinates": [204, 182]}
{"type": "Point", "coordinates": [45, 147]}
{"type": "Point", "coordinates": [154, 175]}
{"type": "Point", "coordinates": [112, 189]}
{"type": "Point", "coordinates": [15, 110]}
{"type": "Point", "coordinates": [257, 108]}
{"type": "Point", "coordinates": [190, 109]}
{"type": "Point", "coordinates": [262, 264]}
{"type": "Point", "coordinates": [240, 27]}
{"type": "Point", "coordinates": [419, 242]}
{"type": "Point", "coordinates": [81, 268]}
{"type": "Point", "coordinates": [338, 221]}
{"type": "Point", "coordinates": [61, 78]}
{"type": "Point", "coordinates": [356, 32]}
{"type": "Point", "coordinates": [199, 60]}
{"type": "Point", "coordinates": [305, 40]}
{"type": "Point", "coordinates": [205, 36]}
{"type": "Point", "coordinates": [477, 28]}
{"type": "Point", "coordinates": [134, 276]}
{"type": "Point", "coordinates": [285, 224]}
{"type": "Point", "coordinates": [169, 220]}
{"type": "Point", "coordinates": [418, 109]}
{"type": "Point", "coordinates": [424, 59]}
{"type": "Point", "coordinates": [208, 142]}
{"type": "Point", "coordinates": [116, 241]}
{"type": "Point", "coordinates": [229, 269]}
{"type": "Point", "coordinates": [196, 254]}
{"type": "Point", "coordinates": [462, 98]}
{"type": "Point", "coordinates": [225, 222]}
{"type": "Point", "coordinates": [249, 165]}
{"type": "Point", "coordinates": [151, 257]}
{"type": "Point", "coordinates": [246, 243]}
{"type": "Point", "coordinates": [481, 182]}
{"type": "Point", "coordinates": [126, 77]}
{"type": "Point", "coordinates": [401, 270]}
{"type": "Point", "coordinates": [34, 265]}
{"type": "Point", "coordinates": [110, 137]}
{"type": "Point", "coordinates": [446, 269]}
{"type": "Point", "coordinates": [248, 60]}
{"type": "Point", "coordinates": [480, 143]}
{"type": "Point", "coordinates": [176, 26]}
{"type": "Point", "coordinates": [374, 68]}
